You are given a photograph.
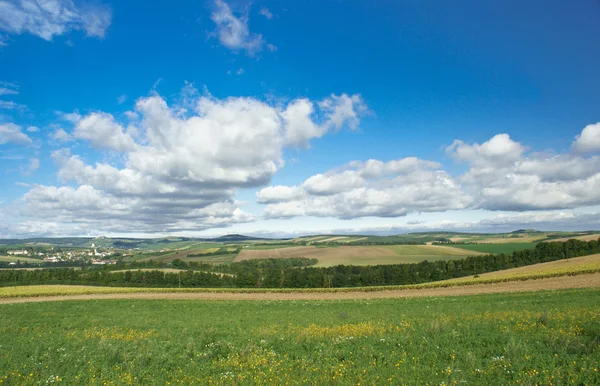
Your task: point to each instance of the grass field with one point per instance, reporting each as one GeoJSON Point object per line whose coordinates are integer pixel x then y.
{"type": "Point", "coordinates": [361, 255]}
{"type": "Point", "coordinates": [531, 338]}
{"type": "Point", "coordinates": [22, 259]}
{"type": "Point", "coordinates": [496, 248]}
{"type": "Point", "coordinates": [214, 259]}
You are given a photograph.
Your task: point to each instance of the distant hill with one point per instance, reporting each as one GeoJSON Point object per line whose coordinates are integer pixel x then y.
{"type": "Point", "coordinates": [176, 242]}
{"type": "Point", "coordinates": [234, 238]}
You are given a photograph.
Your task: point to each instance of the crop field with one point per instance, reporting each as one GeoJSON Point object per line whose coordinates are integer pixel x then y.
{"type": "Point", "coordinates": [571, 266]}
{"type": "Point", "coordinates": [361, 255]}
{"type": "Point", "coordinates": [529, 338]}
{"type": "Point", "coordinates": [271, 246]}
{"type": "Point", "coordinates": [166, 270]}
{"type": "Point", "coordinates": [594, 236]}
{"type": "Point", "coordinates": [22, 259]}
{"type": "Point", "coordinates": [212, 259]}
{"type": "Point", "coordinates": [195, 248]}
{"type": "Point", "coordinates": [496, 248]}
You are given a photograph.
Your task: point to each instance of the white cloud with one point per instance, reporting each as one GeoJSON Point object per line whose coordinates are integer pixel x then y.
{"type": "Point", "coordinates": [8, 88]}
{"type": "Point", "coordinates": [132, 115]}
{"type": "Point", "coordinates": [278, 193]}
{"type": "Point", "coordinates": [49, 18]}
{"type": "Point", "coordinates": [589, 140]}
{"type": "Point", "coordinates": [73, 117]}
{"type": "Point", "coordinates": [240, 71]}
{"type": "Point", "coordinates": [502, 176]}
{"type": "Point", "coordinates": [33, 129]}
{"type": "Point", "coordinates": [121, 99]}
{"type": "Point", "coordinates": [10, 105]}
{"type": "Point", "coordinates": [299, 124]}
{"type": "Point", "coordinates": [180, 172]}
{"type": "Point", "coordinates": [11, 133]}
{"type": "Point", "coordinates": [343, 110]}
{"type": "Point", "coordinates": [336, 111]}
{"type": "Point", "coordinates": [233, 32]}
{"type": "Point", "coordinates": [103, 132]}
{"type": "Point", "coordinates": [34, 164]}
{"type": "Point", "coordinates": [499, 149]}
{"type": "Point", "coordinates": [61, 135]}
{"type": "Point", "coordinates": [266, 13]}
{"type": "Point", "coordinates": [371, 188]}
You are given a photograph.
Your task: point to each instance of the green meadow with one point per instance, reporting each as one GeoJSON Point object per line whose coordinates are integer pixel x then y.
{"type": "Point", "coordinates": [547, 337]}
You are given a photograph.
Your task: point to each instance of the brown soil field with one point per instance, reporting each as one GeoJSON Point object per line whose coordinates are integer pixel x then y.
{"type": "Point", "coordinates": [314, 252]}
{"type": "Point", "coordinates": [361, 255]}
{"type": "Point", "coordinates": [564, 282]}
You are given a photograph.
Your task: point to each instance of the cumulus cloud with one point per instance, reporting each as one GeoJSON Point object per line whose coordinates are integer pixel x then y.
{"type": "Point", "coordinates": [49, 18]}
{"type": "Point", "coordinates": [372, 188]}
{"type": "Point", "coordinates": [503, 176]}
{"type": "Point", "coordinates": [499, 149]}
{"type": "Point", "coordinates": [102, 131]}
{"type": "Point", "coordinates": [61, 135]}
{"type": "Point", "coordinates": [233, 32]}
{"type": "Point", "coordinates": [589, 140]}
{"type": "Point", "coordinates": [343, 110]}
{"type": "Point", "coordinates": [278, 193]}
{"type": "Point", "coordinates": [337, 112]}
{"type": "Point", "coordinates": [11, 133]}
{"type": "Point", "coordinates": [180, 172]}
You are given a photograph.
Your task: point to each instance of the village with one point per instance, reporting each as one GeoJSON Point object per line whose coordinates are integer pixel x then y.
{"type": "Point", "coordinates": [51, 255]}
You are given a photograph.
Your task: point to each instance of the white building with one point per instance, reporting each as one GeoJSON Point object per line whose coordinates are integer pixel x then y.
{"type": "Point", "coordinates": [19, 252]}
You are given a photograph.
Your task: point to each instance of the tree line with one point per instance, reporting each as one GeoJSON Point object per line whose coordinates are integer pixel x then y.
{"type": "Point", "coordinates": [298, 272]}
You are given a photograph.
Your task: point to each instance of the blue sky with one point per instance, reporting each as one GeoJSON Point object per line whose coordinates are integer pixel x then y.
{"type": "Point", "coordinates": [277, 118]}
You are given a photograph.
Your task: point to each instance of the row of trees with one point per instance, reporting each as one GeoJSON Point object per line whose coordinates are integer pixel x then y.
{"type": "Point", "coordinates": [296, 273]}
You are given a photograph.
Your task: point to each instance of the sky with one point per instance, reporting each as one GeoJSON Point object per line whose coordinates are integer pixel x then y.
{"type": "Point", "coordinates": [280, 118]}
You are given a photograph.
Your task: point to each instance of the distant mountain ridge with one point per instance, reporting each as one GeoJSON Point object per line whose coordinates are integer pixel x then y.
{"type": "Point", "coordinates": [175, 241]}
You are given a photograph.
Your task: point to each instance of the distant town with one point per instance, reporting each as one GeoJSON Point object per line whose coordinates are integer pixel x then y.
{"type": "Point", "coordinates": [52, 255]}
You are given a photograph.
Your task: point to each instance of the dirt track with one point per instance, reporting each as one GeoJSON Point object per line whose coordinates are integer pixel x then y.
{"type": "Point", "coordinates": [564, 282]}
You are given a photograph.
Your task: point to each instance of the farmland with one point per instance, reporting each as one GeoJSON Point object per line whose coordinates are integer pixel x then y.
{"type": "Point", "coordinates": [361, 255]}
{"type": "Point", "coordinates": [524, 338]}
{"type": "Point", "coordinates": [579, 272]}
{"type": "Point", "coordinates": [496, 247]}
{"type": "Point", "coordinates": [594, 236]}
{"type": "Point", "coordinates": [22, 259]}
